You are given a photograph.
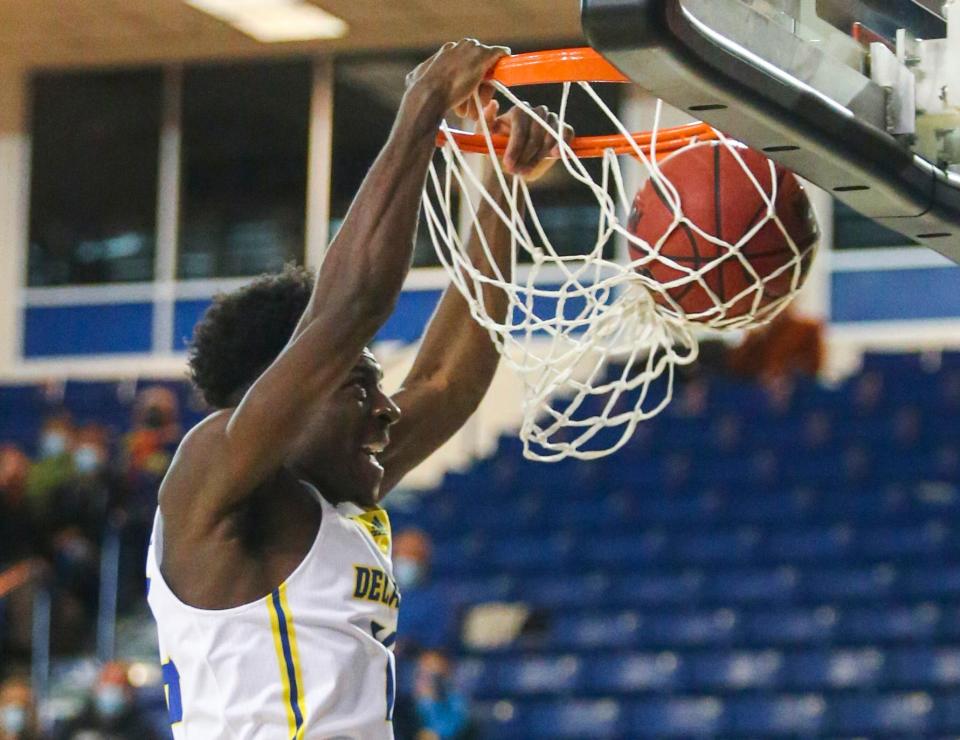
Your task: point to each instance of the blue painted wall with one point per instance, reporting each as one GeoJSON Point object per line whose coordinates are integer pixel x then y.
{"type": "Point", "coordinates": [118, 328]}
{"type": "Point", "coordinates": [888, 295]}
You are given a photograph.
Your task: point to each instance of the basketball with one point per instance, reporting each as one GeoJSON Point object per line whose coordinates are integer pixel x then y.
{"type": "Point", "coordinates": [719, 199]}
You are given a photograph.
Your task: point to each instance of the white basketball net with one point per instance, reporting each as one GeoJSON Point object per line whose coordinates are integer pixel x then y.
{"type": "Point", "coordinates": [569, 316]}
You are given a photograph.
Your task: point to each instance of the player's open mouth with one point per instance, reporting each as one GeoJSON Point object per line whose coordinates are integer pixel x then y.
{"type": "Point", "coordinates": [372, 451]}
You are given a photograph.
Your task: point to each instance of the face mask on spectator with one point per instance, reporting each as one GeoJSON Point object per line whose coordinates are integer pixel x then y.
{"type": "Point", "coordinates": [407, 571]}
{"type": "Point", "coordinates": [154, 418]}
{"type": "Point", "coordinates": [86, 459]}
{"type": "Point", "coordinates": [13, 719]}
{"type": "Point", "coordinates": [53, 444]}
{"type": "Point", "coordinates": [111, 701]}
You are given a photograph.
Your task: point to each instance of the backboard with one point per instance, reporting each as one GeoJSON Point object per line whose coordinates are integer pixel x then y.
{"type": "Point", "coordinates": [861, 97]}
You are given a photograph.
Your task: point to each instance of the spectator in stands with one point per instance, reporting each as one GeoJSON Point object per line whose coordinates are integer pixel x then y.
{"type": "Point", "coordinates": [155, 434]}
{"type": "Point", "coordinates": [111, 712]}
{"type": "Point", "coordinates": [18, 535]}
{"type": "Point", "coordinates": [18, 717]}
{"type": "Point", "coordinates": [790, 345]}
{"type": "Point", "coordinates": [55, 464]}
{"type": "Point", "coordinates": [76, 566]}
{"type": "Point", "coordinates": [147, 452]}
{"type": "Point", "coordinates": [20, 541]}
{"type": "Point", "coordinates": [428, 618]}
{"type": "Point", "coordinates": [84, 499]}
{"type": "Point", "coordinates": [442, 712]}
{"type": "Point", "coordinates": [149, 448]}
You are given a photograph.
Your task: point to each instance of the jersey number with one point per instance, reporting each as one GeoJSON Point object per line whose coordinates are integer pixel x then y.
{"type": "Point", "coordinates": [171, 687]}
{"type": "Point", "coordinates": [387, 640]}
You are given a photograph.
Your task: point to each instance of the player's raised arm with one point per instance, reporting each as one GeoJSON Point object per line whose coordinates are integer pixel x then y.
{"type": "Point", "coordinates": [457, 359]}
{"type": "Point", "coordinates": [355, 291]}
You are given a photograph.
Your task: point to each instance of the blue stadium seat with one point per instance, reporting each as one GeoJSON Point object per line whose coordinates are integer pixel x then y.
{"type": "Point", "coordinates": [736, 670]}
{"type": "Point", "coordinates": [932, 581]}
{"type": "Point", "coordinates": [718, 627]}
{"type": "Point", "coordinates": [683, 509]}
{"type": "Point", "coordinates": [477, 590]}
{"type": "Point", "coordinates": [531, 552]}
{"type": "Point", "coordinates": [948, 712]}
{"type": "Point", "coordinates": [653, 589]}
{"type": "Point", "coordinates": [789, 626]}
{"type": "Point", "coordinates": [600, 511]}
{"type": "Point", "coordinates": [678, 717]}
{"type": "Point", "coordinates": [888, 622]}
{"type": "Point", "coordinates": [718, 546]}
{"type": "Point", "coordinates": [925, 667]}
{"type": "Point", "coordinates": [633, 672]}
{"type": "Point", "coordinates": [848, 583]}
{"type": "Point", "coordinates": [818, 543]}
{"type": "Point", "coordinates": [742, 586]}
{"type": "Point", "coordinates": [594, 630]}
{"type": "Point", "coordinates": [539, 675]}
{"type": "Point", "coordinates": [458, 555]}
{"type": "Point", "coordinates": [623, 551]}
{"type": "Point", "coordinates": [904, 540]}
{"type": "Point", "coordinates": [473, 676]}
{"type": "Point", "coordinates": [738, 506]}
{"type": "Point", "coordinates": [795, 715]}
{"type": "Point", "coordinates": [599, 718]}
{"type": "Point", "coordinates": [590, 590]}
{"type": "Point", "coordinates": [911, 713]}
{"type": "Point", "coordinates": [839, 669]}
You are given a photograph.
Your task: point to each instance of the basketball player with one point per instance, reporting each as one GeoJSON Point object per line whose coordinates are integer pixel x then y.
{"type": "Point", "coordinates": [270, 573]}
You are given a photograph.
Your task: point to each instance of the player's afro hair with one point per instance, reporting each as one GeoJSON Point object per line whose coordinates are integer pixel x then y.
{"type": "Point", "coordinates": [243, 332]}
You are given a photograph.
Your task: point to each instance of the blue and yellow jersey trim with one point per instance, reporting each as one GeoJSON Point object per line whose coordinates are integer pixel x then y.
{"type": "Point", "coordinates": [288, 660]}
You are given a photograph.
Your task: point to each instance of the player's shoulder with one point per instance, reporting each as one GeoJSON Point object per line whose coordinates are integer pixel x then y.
{"type": "Point", "coordinates": [197, 460]}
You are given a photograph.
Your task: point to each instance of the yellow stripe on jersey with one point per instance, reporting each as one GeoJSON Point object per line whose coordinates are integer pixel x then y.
{"type": "Point", "coordinates": [288, 660]}
{"type": "Point", "coordinates": [377, 523]}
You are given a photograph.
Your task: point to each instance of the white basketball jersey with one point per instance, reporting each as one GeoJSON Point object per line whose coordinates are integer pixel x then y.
{"type": "Point", "coordinates": [313, 659]}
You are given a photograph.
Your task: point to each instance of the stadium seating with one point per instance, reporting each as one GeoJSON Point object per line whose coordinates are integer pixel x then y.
{"type": "Point", "coordinates": [799, 576]}
{"type": "Point", "coordinates": [753, 571]}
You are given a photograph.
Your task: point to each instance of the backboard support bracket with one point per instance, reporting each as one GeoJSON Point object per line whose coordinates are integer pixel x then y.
{"type": "Point", "coordinates": [781, 98]}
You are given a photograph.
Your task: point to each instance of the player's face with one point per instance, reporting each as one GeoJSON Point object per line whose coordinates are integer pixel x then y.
{"type": "Point", "coordinates": [342, 445]}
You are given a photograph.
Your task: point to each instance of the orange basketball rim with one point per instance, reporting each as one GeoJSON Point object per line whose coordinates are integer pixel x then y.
{"type": "Point", "coordinates": [577, 65]}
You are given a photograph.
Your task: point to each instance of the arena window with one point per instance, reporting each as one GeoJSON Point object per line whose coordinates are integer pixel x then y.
{"type": "Point", "coordinates": [93, 196]}
{"type": "Point", "coordinates": [244, 168]}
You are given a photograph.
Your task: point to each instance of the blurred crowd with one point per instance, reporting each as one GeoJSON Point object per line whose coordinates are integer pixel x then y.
{"type": "Point", "coordinates": [84, 483]}
{"type": "Point", "coordinates": [109, 712]}
{"type": "Point", "coordinates": [56, 508]}
{"type": "Point", "coordinates": [60, 503]}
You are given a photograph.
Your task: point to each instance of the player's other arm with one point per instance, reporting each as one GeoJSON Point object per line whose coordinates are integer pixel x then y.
{"type": "Point", "coordinates": [457, 359]}
{"type": "Point", "coordinates": [356, 289]}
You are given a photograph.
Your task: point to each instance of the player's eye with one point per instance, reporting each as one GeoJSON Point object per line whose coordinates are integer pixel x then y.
{"type": "Point", "coordinates": [360, 390]}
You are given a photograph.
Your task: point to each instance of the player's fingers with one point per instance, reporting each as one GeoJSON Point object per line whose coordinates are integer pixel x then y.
{"type": "Point", "coordinates": [519, 133]}
{"type": "Point", "coordinates": [417, 72]}
{"type": "Point", "coordinates": [535, 138]}
{"type": "Point", "coordinates": [502, 125]}
{"type": "Point", "coordinates": [548, 141]}
{"type": "Point", "coordinates": [468, 109]}
{"type": "Point", "coordinates": [485, 92]}
{"type": "Point", "coordinates": [473, 62]}
{"type": "Point", "coordinates": [490, 111]}
{"type": "Point", "coordinates": [568, 135]}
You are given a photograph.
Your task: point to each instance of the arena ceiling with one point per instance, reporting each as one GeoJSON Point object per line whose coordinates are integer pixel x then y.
{"type": "Point", "coordinates": [71, 33]}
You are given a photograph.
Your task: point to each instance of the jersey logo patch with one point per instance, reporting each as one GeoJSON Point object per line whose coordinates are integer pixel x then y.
{"type": "Point", "coordinates": [377, 524]}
